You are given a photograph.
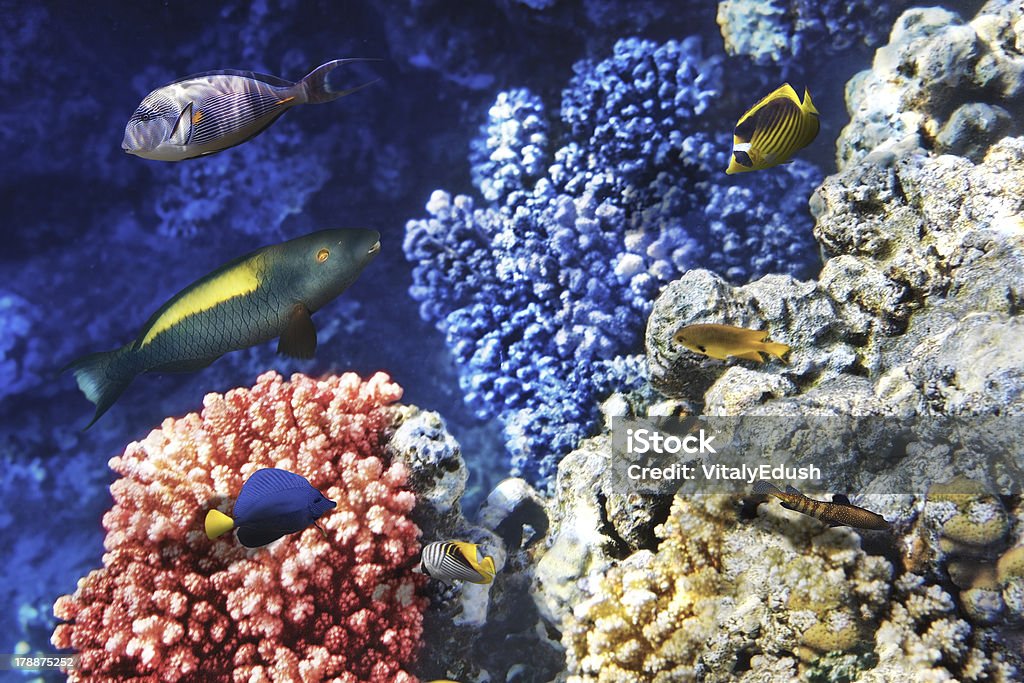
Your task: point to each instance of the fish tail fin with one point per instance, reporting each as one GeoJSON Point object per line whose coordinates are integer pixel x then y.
{"type": "Point", "coordinates": [776, 349]}
{"type": "Point", "coordinates": [766, 488]}
{"type": "Point", "coordinates": [487, 568]}
{"type": "Point", "coordinates": [102, 377]}
{"type": "Point", "coordinates": [317, 86]}
{"type": "Point", "coordinates": [807, 105]}
{"type": "Point", "coordinates": [217, 524]}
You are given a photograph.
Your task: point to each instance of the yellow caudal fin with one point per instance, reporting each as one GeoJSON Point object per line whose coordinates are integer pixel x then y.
{"type": "Point", "coordinates": [218, 524]}
{"type": "Point", "coordinates": [486, 567]}
{"type": "Point", "coordinates": [778, 350]}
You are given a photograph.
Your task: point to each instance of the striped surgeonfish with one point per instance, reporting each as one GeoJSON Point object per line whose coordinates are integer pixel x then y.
{"type": "Point", "coordinates": [270, 292]}
{"type": "Point", "coordinates": [840, 512]}
{"type": "Point", "coordinates": [450, 560]}
{"type": "Point", "coordinates": [773, 130]}
{"type": "Point", "coordinates": [209, 112]}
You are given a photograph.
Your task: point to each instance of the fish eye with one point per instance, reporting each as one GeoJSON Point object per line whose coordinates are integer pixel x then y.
{"type": "Point", "coordinates": [322, 255]}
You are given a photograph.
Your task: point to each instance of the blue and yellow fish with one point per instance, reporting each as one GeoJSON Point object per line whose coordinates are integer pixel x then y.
{"type": "Point", "coordinates": [773, 130]}
{"type": "Point", "coordinates": [268, 293]}
{"type": "Point", "coordinates": [273, 503]}
{"type": "Point", "coordinates": [450, 560]}
{"type": "Point", "coordinates": [212, 111]}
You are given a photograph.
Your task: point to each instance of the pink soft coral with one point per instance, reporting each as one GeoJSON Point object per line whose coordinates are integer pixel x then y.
{"type": "Point", "coordinates": [172, 605]}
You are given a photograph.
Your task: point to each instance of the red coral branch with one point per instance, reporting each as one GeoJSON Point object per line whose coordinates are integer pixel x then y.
{"type": "Point", "coordinates": [170, 605]}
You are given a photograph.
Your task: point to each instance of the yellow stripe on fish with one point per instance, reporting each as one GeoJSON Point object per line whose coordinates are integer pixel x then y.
{"type": "Point", "coordinates": [773, 130]}
{"type": "Point", "coordinates": [205, 294]}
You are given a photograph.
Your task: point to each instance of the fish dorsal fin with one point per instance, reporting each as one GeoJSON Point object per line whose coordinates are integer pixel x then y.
{"type": "Point", "coordinates": [262, 484]}
{"type": "Point", "coordinates": [754, 335]}
{"type": "Point", "coordinates": [275, 81]}
{"type": "Point", "coordinates": [790, 489]}
{"type": "Point", "coordinates": [840, 498]}
{"type": "Point", "coordinates": [182, 131]}
{"type": "Point", "coordinates": [807, 105]}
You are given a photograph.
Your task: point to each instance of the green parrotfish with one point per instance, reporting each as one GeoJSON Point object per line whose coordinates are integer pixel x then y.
{"type": "Point", "coordinates": [268, 293]}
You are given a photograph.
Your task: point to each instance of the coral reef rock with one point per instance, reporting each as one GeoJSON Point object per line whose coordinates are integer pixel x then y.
{"type": "Point", "coordinates": [937, 78]}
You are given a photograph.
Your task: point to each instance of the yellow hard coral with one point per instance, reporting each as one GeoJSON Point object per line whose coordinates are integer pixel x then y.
{"type": "Point", "coordinates": [721, 593]}
{"type": "Point", "coordinates": [972, 518]}
{"type": "Point", "coordinates": [649, 616]}
{"type": "Point", "coordinates": [1010, 572]}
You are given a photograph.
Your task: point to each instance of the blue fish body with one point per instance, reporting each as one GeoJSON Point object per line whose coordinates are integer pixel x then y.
{"type": "Point", "coordinates": [274, 503]}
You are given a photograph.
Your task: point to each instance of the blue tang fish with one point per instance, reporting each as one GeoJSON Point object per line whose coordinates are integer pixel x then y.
{"type": "Point", "coordinates": [212, 111]}
{"type": "Point", "coordinates": [273, 503]}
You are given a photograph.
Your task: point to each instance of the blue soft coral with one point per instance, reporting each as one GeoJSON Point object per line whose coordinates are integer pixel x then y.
{"type": "Point", "coordinates": [540, 292]}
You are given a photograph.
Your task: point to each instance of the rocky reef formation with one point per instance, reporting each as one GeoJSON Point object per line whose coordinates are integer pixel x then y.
{"type": "Point", "coordinates": [914, 318]}
{"type": "Point", "coordinates": [789, 31]}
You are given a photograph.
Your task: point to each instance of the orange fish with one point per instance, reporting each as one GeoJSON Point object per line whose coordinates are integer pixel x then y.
{"type": "Point", "coordinates": [722, 341]}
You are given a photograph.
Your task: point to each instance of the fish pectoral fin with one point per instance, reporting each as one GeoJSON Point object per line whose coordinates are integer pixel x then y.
{"type": "Point", "coordinates": [182, 131]}
{"type": "Point", "coordinates": [789, 506]}
{"type": "Point", "coordinates": [299, 338]}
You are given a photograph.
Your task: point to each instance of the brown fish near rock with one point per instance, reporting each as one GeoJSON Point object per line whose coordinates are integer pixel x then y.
{"type": "Point", "coordinates": [840, 512]}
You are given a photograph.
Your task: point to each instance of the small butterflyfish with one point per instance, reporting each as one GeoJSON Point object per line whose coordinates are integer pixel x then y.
{"type": "Point", "coordinates": [840, 512]}
{"type": "Point", "coordinates": [450, 560]}
{"type": "Point", "coordinates": [212, 111]}
{"type": "Point", "coordinates": [268, 293]}
{"type": "Point", "coordinates": [773, 130]}
{"type": "Point", "coordinates": [273, 503]}
{"type": "Point", "coordinates": [723, 341]}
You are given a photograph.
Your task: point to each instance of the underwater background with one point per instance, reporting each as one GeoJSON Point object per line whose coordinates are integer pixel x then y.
{"type": "Point", "coordinates": [547, 177]}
